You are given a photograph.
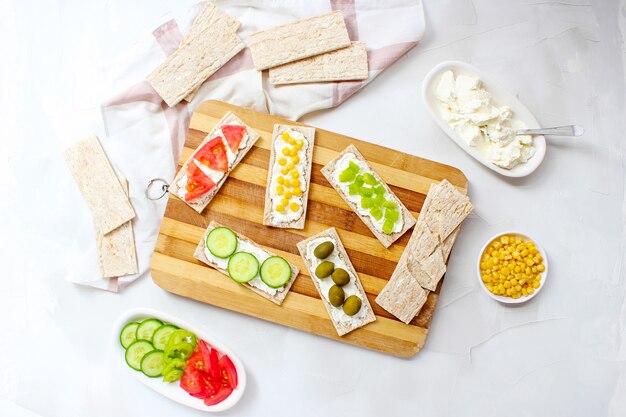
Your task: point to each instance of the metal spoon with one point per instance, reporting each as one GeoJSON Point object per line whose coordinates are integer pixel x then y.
{"type": "Point", "coordinates": [570, 130]}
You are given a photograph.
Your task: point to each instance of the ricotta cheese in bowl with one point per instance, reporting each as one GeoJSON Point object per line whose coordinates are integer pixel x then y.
{"type": "Point", "coordinates": [469, 109]}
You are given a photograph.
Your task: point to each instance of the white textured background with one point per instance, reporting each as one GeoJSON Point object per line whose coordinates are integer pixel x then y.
{"type": "Point", "coordinates": [561, 354]}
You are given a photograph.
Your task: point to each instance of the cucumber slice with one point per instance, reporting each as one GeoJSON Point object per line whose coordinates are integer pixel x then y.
{"type": "Point", "coordinates": [152, 364]}
{"type": "Point", "coordinates": [243, 267]}
{"type": "Point", "coordinates": [221, 242]}
{"type": "Point", "coordinates": [275, 271]}
{"type": "Point", "coordinates": [162, 335]}
{"type": "Point", "coordinates": [135, 353]}
{"type": "Point", "coordinates": [172, 375]}
{"type": "Point", "coordinates": [128, 334]}
{"type": "Point", "coordinates": [146, 329]}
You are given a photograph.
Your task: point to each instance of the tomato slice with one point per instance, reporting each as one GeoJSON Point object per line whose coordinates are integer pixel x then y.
{"type": "Point", "coordinates": [198, 183]}
{"type": "Point", "coordinates": [213, 155]}
{"type": "Point", "coordinates": [214, 368]}
{"type": "Point", "coordinates": [219, 396]}
{"type": "Point", "coordinates": [191, 381]}
{"type": "Point", "coordinates": [229, 372]}
{"type": "Point", "coordinates": [233, 135]}
{"type": "Point", "coordinates": [196, 361]}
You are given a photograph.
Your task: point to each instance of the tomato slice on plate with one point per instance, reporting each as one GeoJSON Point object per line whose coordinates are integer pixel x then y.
{"type": "Point", "coordinates": [229, 372]}
{"type": "Point", "coordinates": [213, 155]}
{"type": "Point", "coordinates": [219, 396]}
{"type": "Point", "coordinates": [233, 135]}
{"type": "Point", "coordinates": [191, 381]}
{"type": "Point", "coordinates": [198, 183]}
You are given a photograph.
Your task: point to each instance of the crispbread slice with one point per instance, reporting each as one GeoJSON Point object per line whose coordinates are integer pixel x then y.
{"type": "Point", "coordinates": [341, 65]}
{"type": "Point", "coordinates": [309, 134]}
{"type": "Point", "coordinates": [98, 184]}
{"type": "Point", "coordinates": [328, 171]}
{"type": "Point", "coordinates": [195, 61]}
{"type": "Point", "coordinates": [209, 15]}
{"type": "Point", "coordinates": [428, 271]}
{"type": "Point", "coordinates": [228, 118]}
{"type": "Point", "coordinates": [342, 328]}
{"type": "Point", "coordinates": [116, 250]}
{"type": "Point", "coordinates": [298, 40]}
{"type": "Point", "coordinates": [445, 208]}
{"type": "Point", "coordinates": [277, 298]}
{"type": "Point", "coordinates": [402, 296]}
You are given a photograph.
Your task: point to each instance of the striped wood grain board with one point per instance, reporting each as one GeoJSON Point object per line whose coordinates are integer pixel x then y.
{"type": "Point", "coordinates": [239, 205]}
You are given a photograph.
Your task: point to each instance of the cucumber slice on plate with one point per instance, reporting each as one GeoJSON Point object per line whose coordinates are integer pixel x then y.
{"type": "Point", "coordinates": [243, 267]}
{"type": "Point", "coordinates": [162, 335]}
{"type": "Point", "coordinates": [152, 364]}
{"type": "Point", "coordinates": [221, 242]}
{"type": "Point", "coordinates": [146, 329]}
{"type": "Point", "coordinates": [128, 334]}
{"type": "Point", "coordinates": [135, 353]}
{"type": "Point", "coordinates": [275, 272]}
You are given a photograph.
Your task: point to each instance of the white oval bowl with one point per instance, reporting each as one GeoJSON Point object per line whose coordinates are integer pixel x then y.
{"type": "Point", "coordinates": [173, 391]}
{"type": "Point", "coordinates": [502, 97]}
{"type": "Point", "coordinates": [509, 300]}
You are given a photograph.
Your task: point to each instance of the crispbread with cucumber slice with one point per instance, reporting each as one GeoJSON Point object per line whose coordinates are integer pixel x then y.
{"type": "Point", "coordinates": [276, 298]}
{"type": "Point", "coordinates": [386, 239]}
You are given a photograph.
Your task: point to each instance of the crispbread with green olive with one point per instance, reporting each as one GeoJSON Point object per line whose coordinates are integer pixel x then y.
{"type": "Point", "coordinates": [343, 325]}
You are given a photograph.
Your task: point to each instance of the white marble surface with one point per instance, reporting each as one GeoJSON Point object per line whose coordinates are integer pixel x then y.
{"type": "Point", "coordinates": [562, 354]}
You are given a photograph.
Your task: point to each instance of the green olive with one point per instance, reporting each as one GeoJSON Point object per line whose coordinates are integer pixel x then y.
{"type": "Point", "coordinates": [323, 250]}
{"type": "Point", "coordinates": [336, 295]}
{"type": "Point", "coordinates": [340, 277]}
{"type": "Point", "coordinates": [324, 269]}
{"type": "Point", "coordinates": [352, 305]}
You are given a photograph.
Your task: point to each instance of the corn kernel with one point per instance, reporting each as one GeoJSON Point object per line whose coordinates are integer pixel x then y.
{"type": "Point", "coordinates": [295, 159]}
{"type": "Point", "coordinates": [280, 208]}
{"type": "Point", "coordinates": [297, 191]}
{"type": "Point", "coordinates": [541, 268]}
{"type": "Point", "coordinates": [293, 152]}
{"type": "Point", "coordinates": [536, 284]}
{"type": "Point", "coordinates": [284, 171]}
{"type": "Point", "coordinates": [294, 174]}
{"type": "Point", "coordinates": [282, 161]}
{"type": "Point", "coordinates": [280, 180]}
{"type": "Point", "coordinates": [280, 189]}
{"type": "Point", "coordinates": [287, 194]}
{"type": "Point", "coordinates": [284, 202]}
{"type": "Point", "coordinates": [286, 151]}
{"type": "Point", "coordinates": [294, 206]}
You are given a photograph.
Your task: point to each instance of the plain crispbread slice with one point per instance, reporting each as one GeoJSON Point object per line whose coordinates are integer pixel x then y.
{"type": "Point", "coordinates": [298, 40]}
{"type": "Point", "coordinates": [309, 134]}
{"type": "Point", "coordinates": [444, 209]}
{"type": "Point", "coordinates": [408, 219]}
{"type": "Point", "coordinates": [277, 298]}
{"type": "Point", "coordinates": [228, 118]}
{"type": "Point", "coordinates": [116, 250]}
{"type": "Point", "coordinates": [341, 65]}
{"type": "Point", "coordinates": [209, 15]}
{"type": "Point", "coordinates": [195, 61]}
{"type": "Point", "coordinates": [402, 296]}
{"type": "Point", "coordinates": [98, 184]}
{"type": "Point", "coordinates": [341, 328]}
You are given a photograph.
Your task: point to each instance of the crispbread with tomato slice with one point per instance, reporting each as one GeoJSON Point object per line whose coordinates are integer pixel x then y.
{"type": "Point", "coordinates": [200, 203]}
{"type": "Point", "coordinates": [386, 239]}
{"type": "Point", "coordinates": [275, 298]}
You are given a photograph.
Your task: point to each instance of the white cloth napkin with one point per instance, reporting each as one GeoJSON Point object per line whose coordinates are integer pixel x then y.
{"type": "Point", "coordinates": [144, 136]}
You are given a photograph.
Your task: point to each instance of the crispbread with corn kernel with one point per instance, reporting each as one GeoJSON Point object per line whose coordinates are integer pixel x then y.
{"type": "Point", "coordinates": [309, 135]}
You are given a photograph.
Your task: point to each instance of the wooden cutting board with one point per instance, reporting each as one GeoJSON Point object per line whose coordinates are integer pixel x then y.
{"type": "Point", "coordinates": [239, 205]}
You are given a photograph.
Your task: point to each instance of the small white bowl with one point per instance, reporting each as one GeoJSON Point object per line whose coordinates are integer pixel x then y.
{"type": "Point", "coordinates": [509, 300]}
{"type": "Point", "coordinates": [173, 391]}
{"type": "Point", "coordinates": [502, 97]}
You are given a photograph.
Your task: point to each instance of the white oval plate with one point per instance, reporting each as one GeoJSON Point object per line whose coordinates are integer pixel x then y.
{"type": "Point", "coordinates": [509, 300]}
{"type": "Point", "coordinates": [501, 97]}
{"type": "Point", "coordinates": [173, 391]}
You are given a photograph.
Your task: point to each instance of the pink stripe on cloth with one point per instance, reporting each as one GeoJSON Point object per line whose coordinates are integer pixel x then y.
{"type": "Point", "coordinates": [349, 16]}
{"type": "Point", "coordinates": [377, 60]}
{"type": "Point", "coordinates": [142, 91]}
{"type": "Point", "coordinates": [168, 35]}
{"type": "Point", "coordinates": [112, 285]}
